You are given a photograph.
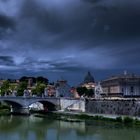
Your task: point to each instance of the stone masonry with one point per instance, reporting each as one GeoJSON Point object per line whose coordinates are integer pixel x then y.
{"type": "Point", "coordinates": [115, 107]}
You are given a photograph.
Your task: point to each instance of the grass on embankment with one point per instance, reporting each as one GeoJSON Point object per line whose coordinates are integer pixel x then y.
{"type": "Point", "coordinates": [85, 117]}
{"type": "Point", "coordinates": [123, 120]}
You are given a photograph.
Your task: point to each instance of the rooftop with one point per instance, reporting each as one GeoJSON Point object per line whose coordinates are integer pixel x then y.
{"type": "Point", "coordinates": [123, 76]}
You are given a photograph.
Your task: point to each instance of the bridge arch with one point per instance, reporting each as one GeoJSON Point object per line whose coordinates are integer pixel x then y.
{"type": "Point", "coordinates": [21, 104]}
{"type": "Point", "coordinates": [47, 106]}
{"type": "Point", "coordinates": [13, 103]}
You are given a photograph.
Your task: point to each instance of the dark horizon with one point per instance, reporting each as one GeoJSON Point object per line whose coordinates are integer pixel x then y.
{"type": "Point", "coordinates": [72, 78]}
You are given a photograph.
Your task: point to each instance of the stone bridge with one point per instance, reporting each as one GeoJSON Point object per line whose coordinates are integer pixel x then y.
{"type": "Point", "coordinates": [21, 104]}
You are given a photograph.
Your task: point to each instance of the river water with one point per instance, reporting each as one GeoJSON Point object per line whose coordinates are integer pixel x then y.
{"type": "Point", "coordinates": [34, 128]}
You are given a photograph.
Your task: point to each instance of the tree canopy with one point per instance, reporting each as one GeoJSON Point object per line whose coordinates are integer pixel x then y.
{"type": "Point", "coordinates": [39, 89]}
{"type": "Point", "coordinates": [83, 91]}
{"type": "Point", "coordinates": [38, 79]}
{"type": "Point", "coordinates": [5, 87]}
{"type": "Point", "coordinates": [22, 86]}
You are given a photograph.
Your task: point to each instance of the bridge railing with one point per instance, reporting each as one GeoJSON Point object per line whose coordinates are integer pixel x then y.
{"type": "Point", "coordinates": [37, 97]}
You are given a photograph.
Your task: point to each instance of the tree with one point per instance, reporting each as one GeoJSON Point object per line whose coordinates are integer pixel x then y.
{"type": "Point", "coordinates": [81, 90]}
{"type": "Point", "coordinates": [23, 79]}
{"type": "Point", "coordinates": [12, 86]}
{"type": "Point", "coordinates": [84, 91]}
{"type": "Point", "coordinates": [41, 79]}
{"type": "Point", "coordinates": [5, 87]}
{"type": "Point", "coordinates": [22, 86]}
{"type": "Point", "coordinates": [39, 89]}
{"type": "Point", "coordinates": [90, 92]}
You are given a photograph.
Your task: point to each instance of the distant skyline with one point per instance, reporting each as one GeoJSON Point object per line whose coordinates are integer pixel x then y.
{"type": "Point", "coordinates": [67, 38]}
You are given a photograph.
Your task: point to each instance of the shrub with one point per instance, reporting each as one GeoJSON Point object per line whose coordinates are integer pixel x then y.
{"type": "Point", "coordinates": [127, 120]}
{"type": "Point", "coordinates": [119, 119]}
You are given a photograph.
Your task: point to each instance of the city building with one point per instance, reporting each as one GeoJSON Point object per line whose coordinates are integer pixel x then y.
{"type": "Point", "coordinates": [63, 89]}
{"type": "Point", "coordinates": [50, 90]}
{"type": "Point", "coordinates": [30, 82]}
{"type": "Point", "coordinates": [87, 87]}
{"type": "Point", "coordinates": [74, 92]}
{"type": "Point", "coordinates": [125, 85]}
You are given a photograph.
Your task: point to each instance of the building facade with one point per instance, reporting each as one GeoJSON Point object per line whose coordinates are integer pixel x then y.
{"type": "Point", "coordinates": [50, 91]}
{"type": "Point", "coordinates": [126, 85]}
{"type": "Point", "coordinates": [63, 89]}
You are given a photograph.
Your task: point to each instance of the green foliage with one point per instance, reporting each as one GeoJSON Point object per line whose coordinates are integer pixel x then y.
{"type": "Point", "coordinates": [83, 116]}
{"type": "Point", "coordinates": [137, 121]}
{"type": "Point", "coordinates": [81, 90]}
{"type": "Point", "coordinates": [90, 92]}
{"type": "Point", "coordinates": [84, 91]}
{"type": "Point", "coordinates": [41, 79]}
{"type": "Point", "coordinates": [96, 117]}
{"type": "Point", "coordinates": [119, 119]}
{"type": "Point", "coordinates": [4, 109]}
{"type": "Point", "coordinates": [5, 87]}
{"type": "Point", "coordinates": [12, 86]}
{"type": "Point", "coordinates": [4, 106]}
{"type": "Point", "coordinates": [127, 120]}
{"type": "Point", "coordinates": [23, 79]}
{"type": "Point", "coordinates": [22, 86]}
{"type": "Point", "coordinates": [39, 89]}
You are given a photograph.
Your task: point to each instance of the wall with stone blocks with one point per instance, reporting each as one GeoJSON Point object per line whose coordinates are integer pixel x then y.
{"type": "Point", "coordinates": [117, 107]}
{"type": "Point", "coordinates": [72, 104]}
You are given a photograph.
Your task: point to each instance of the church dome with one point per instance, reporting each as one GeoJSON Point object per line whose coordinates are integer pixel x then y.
{"type": "Point", "coordinates": [89, 78]}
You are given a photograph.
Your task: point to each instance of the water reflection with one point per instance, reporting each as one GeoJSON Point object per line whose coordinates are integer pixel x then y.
{"type": "Point", "coordinates": [34, 128]}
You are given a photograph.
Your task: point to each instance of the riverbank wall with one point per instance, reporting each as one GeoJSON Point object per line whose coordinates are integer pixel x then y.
{"type": "Point", "coordinates": [129, 107]}
{"type": "Point", "coordinates": [72, 105]}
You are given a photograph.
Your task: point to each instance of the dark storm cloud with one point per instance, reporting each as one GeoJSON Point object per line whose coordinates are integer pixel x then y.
{"type": "Point", "coordinates": [7, 25]}
{"type": "Point", "coordinates": [33, 12]}
{"type": "Point", "coordinates": [6, 22]}
{"type": "Point", "coordinates": [129, 57]}
{"type": "Point", "coordinates": [6, 61]}
{"type": "Point", "coordinates": [39, 25]}
{"type": "Point", "coordinates": [117, 22]}
{"type": "Point", "coordinates": [94, 34]}
{"type": "Point", "coordinates": [63, 65]}
{"type": "Point", "coordinates": [97, 23]}
{"type": "Point", "coordinates": [113, 21]}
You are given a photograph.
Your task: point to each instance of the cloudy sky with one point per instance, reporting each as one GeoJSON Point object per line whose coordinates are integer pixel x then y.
{"type": "Point", "coordinates": [67, 38]}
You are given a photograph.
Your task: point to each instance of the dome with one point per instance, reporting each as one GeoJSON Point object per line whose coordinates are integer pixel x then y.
{"type": "Point", "coordinates": [89, 78]}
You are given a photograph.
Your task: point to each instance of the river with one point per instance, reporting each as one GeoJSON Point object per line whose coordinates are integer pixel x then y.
{"type": "Point", "coordinates": [34, 128]}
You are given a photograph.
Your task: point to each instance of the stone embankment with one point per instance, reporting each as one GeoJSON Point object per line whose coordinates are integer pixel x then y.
{"type": "Point", "coordinates": [129, 107]}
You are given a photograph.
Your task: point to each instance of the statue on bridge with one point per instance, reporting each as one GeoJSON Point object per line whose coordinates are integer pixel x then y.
{"type": "Point", "coordinates": [14, 93]}
{"type": "Point", "coordinates": [26, 93]}
{"type": "Point", "coordinates": [45, 92]}
{"type": "Point", "coordinates": [98, 91]}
